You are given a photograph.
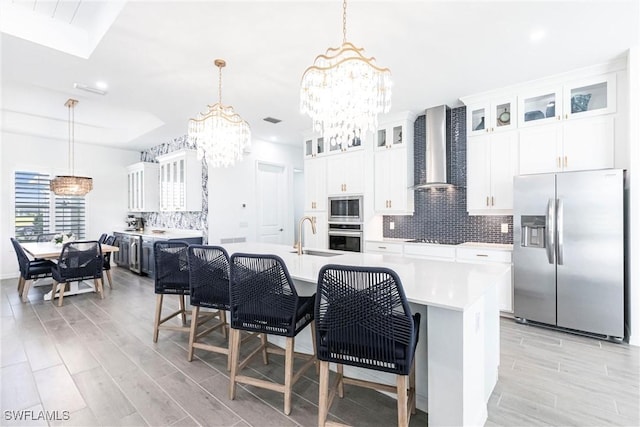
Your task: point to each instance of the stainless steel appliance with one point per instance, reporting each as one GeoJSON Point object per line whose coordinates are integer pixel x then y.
{"type": "Point", "coordinates": [135, 253]}
{"type": "Point", "coordinates": [568, 252]}
{"type": "Point", "coordinates": [345, 237]}
{"type": "Point", "coordinates": [345, 209]}
{"type": "Point", "coordinates": [134, 223]}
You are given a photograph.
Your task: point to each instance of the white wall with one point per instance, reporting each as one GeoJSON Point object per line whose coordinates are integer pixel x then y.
{"type": "Point", "coordinates": [231, 188]}
{"type": "Point", "coordinates": [105, 205]}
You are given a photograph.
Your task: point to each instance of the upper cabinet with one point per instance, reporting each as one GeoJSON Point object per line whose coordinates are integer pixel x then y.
{"type": "Point", "coordinates": [345, 174]}
{"type": "Point", "coordinates": [142, 187]}
{"type": "Point", "coordinates": [580, 98]}
{"type": "Point", "coordinates": [314, 146]}
{"type": "Point", "coordinates": [180, 181]}
{"type": "Point", "coordinates": [393, 165]}
{"type": "Point", "coordinates": [494, 116]}
{"type": "Point", "coordinates": [315, 184]}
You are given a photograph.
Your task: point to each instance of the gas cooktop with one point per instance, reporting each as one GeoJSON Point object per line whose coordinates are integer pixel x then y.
{"type": "Point", "coordinates": [434, 241]}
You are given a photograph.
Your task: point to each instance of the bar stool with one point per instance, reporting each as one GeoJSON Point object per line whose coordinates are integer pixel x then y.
{"type": "Point", "coordinates": [264, 301]}
{"type": "Point", "coordinates": [209, 288]}
{"type": "Point", "coordinates": [172, 278]}
{"type": "Point", "coordinates": [363, 319]}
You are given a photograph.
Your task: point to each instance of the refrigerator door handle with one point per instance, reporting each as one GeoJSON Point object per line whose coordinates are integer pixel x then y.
{"type": "Point", "coordinates": [560, 230]}
{"type": "Point", "coordinates": [550, 228]}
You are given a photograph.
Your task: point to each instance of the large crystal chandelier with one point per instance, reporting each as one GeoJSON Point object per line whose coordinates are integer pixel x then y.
{"type": "Point", "coordinates": [343, 91]}
{"type": "Point", "coordinates": [220, 134]}
{"type": "Point", "coordinates": [71, 185]}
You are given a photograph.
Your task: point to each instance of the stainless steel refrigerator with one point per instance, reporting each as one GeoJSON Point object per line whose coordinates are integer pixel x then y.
{"type": "Point", "coordinates": [568, 253]}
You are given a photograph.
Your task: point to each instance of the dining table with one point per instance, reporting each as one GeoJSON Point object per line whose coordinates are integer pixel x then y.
{"type": "Point", "coordinates": [51, 251]}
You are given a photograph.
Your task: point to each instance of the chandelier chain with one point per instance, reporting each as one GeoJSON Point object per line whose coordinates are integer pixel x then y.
{"type": "Point", "coordinates": [344, 21]}
{"type": "Point", "coordinates": [70, 134]}
{"type": "Point", "coordinates": [220, 84]}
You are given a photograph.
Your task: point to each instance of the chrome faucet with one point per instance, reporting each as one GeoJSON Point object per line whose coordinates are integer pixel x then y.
{"type": "Point", "coordinates": [312, 220]}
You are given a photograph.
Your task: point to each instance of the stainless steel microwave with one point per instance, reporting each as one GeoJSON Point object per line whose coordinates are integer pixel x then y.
{"type": "Point", "coordinates": [345, 209]}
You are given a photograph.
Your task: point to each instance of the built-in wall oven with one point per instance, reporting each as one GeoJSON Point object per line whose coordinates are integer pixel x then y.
{"type": "Point", "coordinates": [345, 236]}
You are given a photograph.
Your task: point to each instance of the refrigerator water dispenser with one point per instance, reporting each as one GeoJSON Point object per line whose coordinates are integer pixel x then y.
{"type": "Point", "coordinates": [533, 231]}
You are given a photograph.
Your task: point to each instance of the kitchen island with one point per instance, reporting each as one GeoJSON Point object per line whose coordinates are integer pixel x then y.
{"type": "Point", "coordinates": [459, 346]}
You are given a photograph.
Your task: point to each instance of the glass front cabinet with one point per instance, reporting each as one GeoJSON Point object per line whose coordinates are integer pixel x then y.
{"type": "Point", "coordinates": [496, 116]}
{"type": "Point", "coordinates": [142, 187]}
{"type": "Point", "coordinates": [180, 181]}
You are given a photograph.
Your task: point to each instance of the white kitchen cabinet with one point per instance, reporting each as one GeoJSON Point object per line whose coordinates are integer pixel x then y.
{"type": "Point", "coordinates": [345, 173]}
{"type": "Point", "coordinates": [430, 251]}
{"type": "Point", "coordinates": [315, 184]}
{"type": "Point", "coordinates": [492, 162]}
{"type": "Point", "coordinates": [180, 181]}
{"type": "Point", "coordinates": [492, 116]}
{"type": "Point", "coordinates": [142, 187]}
{"type": "Point", "coordinates": [393, 166]}
{"type": "Point", "coordinates": [574, 99]}
{"type": "Point", "coordinates": [571, 145]}
{"type": "Point", "coordinates": [314, 146]}
{"type": "Point", "coordinates": [320, 239]}
{"type": "Point", "coordinates": [382, 247]}
{"type": "Point", "coordinates": [482, 255]}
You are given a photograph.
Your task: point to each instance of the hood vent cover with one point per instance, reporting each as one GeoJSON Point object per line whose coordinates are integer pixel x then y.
{"type": "Point", "coordinates": [437, 162]}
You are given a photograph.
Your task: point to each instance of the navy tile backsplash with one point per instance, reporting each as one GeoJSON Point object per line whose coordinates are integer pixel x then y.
{"type": "Point", "coordinates": [441, 214]}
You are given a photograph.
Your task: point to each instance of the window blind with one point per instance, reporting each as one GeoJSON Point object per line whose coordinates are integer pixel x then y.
{"type": "Point", "coordinates": [32, 205]}
{"type": "Point", "coordinates": [69, 214]}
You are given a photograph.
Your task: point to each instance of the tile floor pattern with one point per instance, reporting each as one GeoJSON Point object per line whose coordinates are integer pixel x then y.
{"type": "Point", "coordinates": [96, 359]}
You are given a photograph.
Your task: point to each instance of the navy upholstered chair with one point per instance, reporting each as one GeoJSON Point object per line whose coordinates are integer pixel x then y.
{"type": "Point", "coordinates": [363, 319]}
{"type": "Point", "coordinates": [29, 269]}
{"type": "Point", "coordinates": [172, 278]}
{"type": "Point", "coordinates": [103, 238]}
{"type": "Point", "coordinates": [264, 301]}
{"type": "Point", "coordinates": [79, 260]}
{"type": "Point", "coordinates": [209, 289]}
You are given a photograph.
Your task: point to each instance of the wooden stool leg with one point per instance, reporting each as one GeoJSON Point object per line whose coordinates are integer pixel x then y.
{"type": "Point", "coordinates": [323, 398]}
{"type": "Point", "coordinates": [192, 331]}
{"type": "Point", "coordinates": [265, 355]}
{"type": "Point", "coordinates": [412, 386]}
{"type": "Point", "coordinates": [108, 272]}
{"type": "Point", "coordinates": [156, 322]}
{"type": "Point", "coordinates": [313, 342]}
{"type": "Point", "coordinates": [340, 370]}
{"type": "Point", "coordinates": [288, 374]}
{"type": "Point", "coordinates": [403, 416]}
{"type": "Point", "coordinates": [223, 319]}
{"type": "Point", "coordinates": [235, 354]}
{"type": "Point", "coordinates": [184, 312]}
{"type": "Point", "coordinates": [54, 289]}
{"type": "Point", "coordinates": [26, 285]}
{"type": "Point", "coordinates": [61, 287]}
{"type": "Point", "coordinates": [98, 285]}
{"type": "Point", "coordinates": [20, 285]}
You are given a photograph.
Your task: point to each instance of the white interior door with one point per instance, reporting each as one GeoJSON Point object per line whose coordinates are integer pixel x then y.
{"type": "Point", "coordinates": [272, 201]}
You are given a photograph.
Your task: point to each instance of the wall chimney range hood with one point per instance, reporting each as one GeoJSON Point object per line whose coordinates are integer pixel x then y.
{"type": "Point", "coordinates": [437, 171]}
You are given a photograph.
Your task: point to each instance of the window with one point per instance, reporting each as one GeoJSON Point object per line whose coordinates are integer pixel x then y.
{"type": "Point", "coordinates": [38, 211]}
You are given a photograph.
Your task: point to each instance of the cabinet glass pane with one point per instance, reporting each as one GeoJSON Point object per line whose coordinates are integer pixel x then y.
{"type": "Point", "coordinates": [333, 145]}
{"type": "Point", "coordinates": [382, 138]}
{"type": "Point", "coordinates": [540, 107]}
{"type": "Point", "coordinates": [588, 98]}
{"type": "Point", "coordinates": [503, 114]}
{"type": "Point", "coordinates": [320, 146]}
{"type": "Point", "coordinates": [397, 135]}
{"type": "Point", "coordinates": [308, 147]}
{"type": "Point", "coordinates": [477, 119]}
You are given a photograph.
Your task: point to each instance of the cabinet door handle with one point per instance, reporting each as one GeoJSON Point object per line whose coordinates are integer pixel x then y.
{"type": "Point", "coordinates": [390, 204]}
{"type": "Point", "coordinates": [492, 203]}
{"type": "Point", "coordinates": [482, 255]}
{"type": "Point", "coordinates": [559, 117]}
{"type": "Point", "coordinates": [566, 161]}
{"type": "Point", "coordinates": [558, 161]}
{"type": "Point", "coordinates": [566, 116]}
{"type": "Point", "coordinates": [487, 202]}
{"type": "Point", "coordinates": [382, 247]}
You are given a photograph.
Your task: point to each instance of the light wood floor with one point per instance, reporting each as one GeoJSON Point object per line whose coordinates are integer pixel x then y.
{"type": "Point", "coordinates": [96, 359]}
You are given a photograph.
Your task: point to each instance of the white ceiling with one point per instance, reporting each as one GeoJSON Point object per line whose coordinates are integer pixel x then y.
{"type": "Point", "coordinates": [157, 57]}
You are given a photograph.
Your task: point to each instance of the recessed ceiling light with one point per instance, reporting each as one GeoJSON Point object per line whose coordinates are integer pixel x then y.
{"type": "Point", "coordinates": [102, 85]}
{"type": "Point", "coordinates": [86, 88]}
{"type": "Point", "coordinates": [537, 35]}
{"type": "Point", "coordinates": [272, 120]}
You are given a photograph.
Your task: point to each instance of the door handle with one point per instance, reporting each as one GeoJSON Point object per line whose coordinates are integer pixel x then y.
{"type": "Point", "coordinates": [550, 231]}
{"type": "Point", "coordinates": [560, 230]}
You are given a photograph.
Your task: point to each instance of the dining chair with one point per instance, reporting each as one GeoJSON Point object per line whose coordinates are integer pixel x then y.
{"type": "Point", "coordinates": [103, 238]}
{"type": "Point", "coordinates": [264, 301]}
{"type": "Point", "coordinates": [172, 278]}
{"type": "Point", "coordinates": [209, 289]}
{"type": "Point", "coordinates": [106, 265]}
{"type": "Point", "coordinates": [78, 260]}
{"type": "Point", "coordinates": [363, 319]}
{"type": "Point", "coordinates": [29, 269]}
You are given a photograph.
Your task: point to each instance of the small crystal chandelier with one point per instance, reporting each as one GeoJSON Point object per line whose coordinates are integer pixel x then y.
{"type": "Point", "coordinates": [71, 185]}
{"type": "Point", "coordinates": [220, 134]}
{"type": "Point", "coordinates": [343, 91]}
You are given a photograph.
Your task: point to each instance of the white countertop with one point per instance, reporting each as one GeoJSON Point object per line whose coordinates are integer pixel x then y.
{"type": "Point", "coordinates": [168, 233]}
{"type": "Point", "coordinates": [448, 285]}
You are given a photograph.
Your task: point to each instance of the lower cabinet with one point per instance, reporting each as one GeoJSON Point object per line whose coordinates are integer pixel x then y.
{"type": "Point", "coordinates": [482, 255]}
{"type": "Point", "coordinates": [121, 258]}
{"type": "Point", "coordinates": [382, 247]}
{"type": "Point", "coordinates": [147, 266]}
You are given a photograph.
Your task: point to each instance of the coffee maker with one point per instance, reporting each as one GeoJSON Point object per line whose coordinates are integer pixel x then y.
{"type": "Point", "coordinates": [134, 223]}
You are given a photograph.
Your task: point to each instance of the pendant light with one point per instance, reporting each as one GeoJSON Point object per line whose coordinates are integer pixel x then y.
{"type": "Point", "coordinates": [71, 185]}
